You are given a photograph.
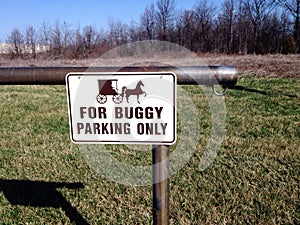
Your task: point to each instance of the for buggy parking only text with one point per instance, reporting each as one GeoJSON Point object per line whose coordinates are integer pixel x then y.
{"type": "Point", "coordinates": [122, 108]}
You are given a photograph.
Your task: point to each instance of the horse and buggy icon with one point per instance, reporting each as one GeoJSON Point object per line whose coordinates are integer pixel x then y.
{"type": "Point", "coordinates": [110, 87]}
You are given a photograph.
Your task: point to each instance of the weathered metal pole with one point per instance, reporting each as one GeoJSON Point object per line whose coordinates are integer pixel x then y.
{"type": "Point", "coordinates": [207, 75]}
{"type": "Point", "coordinates": [160, 179]}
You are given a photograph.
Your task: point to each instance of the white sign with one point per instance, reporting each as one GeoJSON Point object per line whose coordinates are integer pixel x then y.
{"type": "Point", "coordinates": [123, 108]}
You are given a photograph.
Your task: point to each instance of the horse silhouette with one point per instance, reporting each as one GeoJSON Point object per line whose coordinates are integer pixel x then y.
{"type": "Point", "coordinates": [137, 91]}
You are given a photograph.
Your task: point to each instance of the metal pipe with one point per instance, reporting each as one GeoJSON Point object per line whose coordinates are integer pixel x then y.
{"type": "Point", "coordinates": [160, 179]}
{"type": "Point", "coordinates": [207, 75]}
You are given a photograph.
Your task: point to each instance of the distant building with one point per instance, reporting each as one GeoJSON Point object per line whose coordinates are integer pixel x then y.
{"type": "Point", "coordinates": [8, 48]}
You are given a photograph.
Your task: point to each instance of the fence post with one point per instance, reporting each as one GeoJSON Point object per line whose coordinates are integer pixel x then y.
{"type": "Point", "coordinates": [160, 178]}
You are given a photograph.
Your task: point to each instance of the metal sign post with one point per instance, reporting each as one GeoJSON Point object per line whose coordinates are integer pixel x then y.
{"type": "Point", "coordinates": [160, 178]}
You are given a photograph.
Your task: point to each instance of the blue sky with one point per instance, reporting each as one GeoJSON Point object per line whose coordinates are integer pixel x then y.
{"type": "Point", "coordinates": [21, 13]}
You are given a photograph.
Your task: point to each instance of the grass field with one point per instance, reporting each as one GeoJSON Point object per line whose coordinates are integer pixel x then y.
{"type": "Point", "coordinates": [255, 178]}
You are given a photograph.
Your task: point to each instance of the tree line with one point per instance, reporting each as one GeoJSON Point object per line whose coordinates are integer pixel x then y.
{"type": "Point", "coordinates": [235, 27]}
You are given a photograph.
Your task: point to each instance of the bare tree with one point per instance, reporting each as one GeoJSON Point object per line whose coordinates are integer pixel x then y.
{"type": "Point", "coordinates": [293, 6]}
{"type": "Point", "coordinates": [147, 22]}
{"type": "Point", "coordinates": [270, 34]}
{"type": "Point", "coordinates": [244, 26]}
{"type": "Point", "coordinates": [135, 32]}
{"type": "Point", "coordinates": [89, 36]}
{"type": "Point", "coordinates": [165, 17]}
{"type": "Point", "coordinates": [57, 39]}
{"type": "Point", "coordinates": [31, 40]}
{"type": "Point", "coordinates": [186, 28]}
{"type": "Point", "coordinates": [65, 37]}
{"type": "Point", "coordinates": [258, 10]}
{"type": "Point", "coordinates": [91, 40]}
{"type": "Point", "coordinates": [78, 43]}
{"type": "Point", "coordinates": [16, 40]}
{"type": "Point", "coordinates": [227, 19]}
{"type": "Point", "coordinates": [204, 15]}
{"type": "Point", "coordinates": [45, 32]}
{"type": "Point", "coordinates": [117, 33]}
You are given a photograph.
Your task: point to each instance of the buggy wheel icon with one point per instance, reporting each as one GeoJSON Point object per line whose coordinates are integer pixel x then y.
{"type": "Point", "coordinates": [101, 98]}
{"type": "Point", "coordinates": [117, 99]}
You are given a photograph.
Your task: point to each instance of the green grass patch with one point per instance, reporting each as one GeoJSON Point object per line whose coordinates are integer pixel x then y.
{"type": "Point", "coordinates": [254, 179]}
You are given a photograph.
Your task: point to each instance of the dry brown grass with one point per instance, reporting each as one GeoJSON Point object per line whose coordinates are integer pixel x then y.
{"type": "Point", "coordinates": [265, 65]}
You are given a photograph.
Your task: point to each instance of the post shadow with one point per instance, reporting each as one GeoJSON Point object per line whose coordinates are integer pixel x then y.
{"type": "Point", "coordinates": [280, 93]}
{"type": "Point", "coordinates": [242, 88]}
{"type": "Point", "coordinates": [41, 194]}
